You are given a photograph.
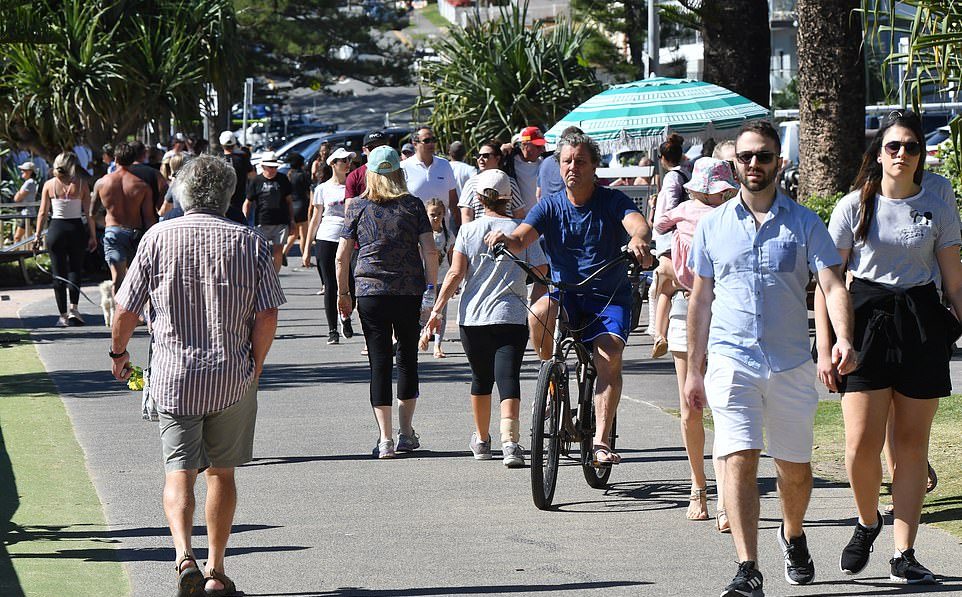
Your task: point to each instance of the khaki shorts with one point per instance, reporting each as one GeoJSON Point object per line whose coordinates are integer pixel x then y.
{"type": "Point", "coordinates": [222, 439]}
{"type": "Point", "coordinates": [275, 233]}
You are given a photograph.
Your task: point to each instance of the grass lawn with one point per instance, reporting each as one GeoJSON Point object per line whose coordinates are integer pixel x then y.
{"type": "Point", "coordinates": [55, 539]}
{"type": "Point", "coordinates": [943, 507]}
{"type": "Point", "coordinates": [432, 14]}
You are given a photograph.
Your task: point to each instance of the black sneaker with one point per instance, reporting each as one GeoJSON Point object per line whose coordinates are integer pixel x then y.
{"type": "Point", "coordinates": [856, 554]}
{"type": "Point", "coordinates": [747, 582]}
{"type": "Point", "coordinates": [799, 567]}
{"type": "Point", "coordinates": [346, 328]}
{"type": "Point", "coordinates": [906, 569]}
{"type": "Point", "coordinates": [333, 338]}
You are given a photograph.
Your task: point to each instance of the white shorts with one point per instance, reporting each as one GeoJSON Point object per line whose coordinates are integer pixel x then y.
{"type": "Point", "coordinates": [678, 323]}
{"type": "Point", "coordinates": [749, 407]}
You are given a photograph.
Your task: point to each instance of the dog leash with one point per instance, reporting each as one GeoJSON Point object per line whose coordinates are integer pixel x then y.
{"type": "Point", "coordinates": [66, 281]}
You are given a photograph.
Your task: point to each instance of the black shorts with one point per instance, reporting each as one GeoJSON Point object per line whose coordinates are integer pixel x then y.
{"type": "Point", "coordinates": [300, 211]}
{"type": "Point", "coordinates": [909, 351]}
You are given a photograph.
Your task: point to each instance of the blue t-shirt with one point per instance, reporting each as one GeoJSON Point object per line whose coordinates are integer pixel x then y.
{"type": "Point", "coordinates": [549, 176]}
{"type": "Point", "coordinates": [578, 240]}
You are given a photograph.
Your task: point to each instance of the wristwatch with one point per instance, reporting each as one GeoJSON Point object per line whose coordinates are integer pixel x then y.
{"type": "Point", "coordinates": [116, 355]}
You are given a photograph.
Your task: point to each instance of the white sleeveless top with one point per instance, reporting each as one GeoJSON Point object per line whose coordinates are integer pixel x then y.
{"type": "Point", "coordinates": [65, 208]}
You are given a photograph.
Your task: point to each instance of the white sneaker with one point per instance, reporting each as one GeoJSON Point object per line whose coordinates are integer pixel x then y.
{"type": "Point", "coordinates": [73, 317]}
{"type": "Point", "coordinates": [513, 455]}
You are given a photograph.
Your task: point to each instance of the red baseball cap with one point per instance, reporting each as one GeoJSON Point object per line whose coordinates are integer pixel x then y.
{"type": "Point", "coordinates": [531, 134]}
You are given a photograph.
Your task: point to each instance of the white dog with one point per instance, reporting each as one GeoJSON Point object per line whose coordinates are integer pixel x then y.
{"type": "Point", "coordinates": [107, 301]}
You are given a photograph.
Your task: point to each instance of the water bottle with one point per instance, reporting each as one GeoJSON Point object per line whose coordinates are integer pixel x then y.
{"type": "Point", "coordinates": [427, 300]}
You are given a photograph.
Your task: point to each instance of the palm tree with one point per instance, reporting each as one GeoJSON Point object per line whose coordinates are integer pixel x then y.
{"type": "Point", "coordinates": [831, 90]}
{"type": "Point", "coordinates": [496, 77]}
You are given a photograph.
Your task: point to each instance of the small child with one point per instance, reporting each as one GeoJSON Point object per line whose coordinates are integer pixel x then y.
{"type": "Point", "coordinates": [445, 242]}
{"type": "Point", "coordinates": [709, 187]}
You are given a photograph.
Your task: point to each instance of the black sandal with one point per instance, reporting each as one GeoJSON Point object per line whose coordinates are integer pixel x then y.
{"type": "Point", "coordinates": [229, 587]}
{"type": "Point", "coordinates": [190, 580]}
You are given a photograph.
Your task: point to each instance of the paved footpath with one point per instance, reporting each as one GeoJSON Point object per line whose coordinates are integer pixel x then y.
{"type": "Point", "coordinates": [319, 517]}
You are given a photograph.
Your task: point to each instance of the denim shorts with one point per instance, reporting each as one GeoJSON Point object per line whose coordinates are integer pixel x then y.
{"type": "Point", "coordinates": [275, 233]}
{"type": "Point", "coordinates": [120, 244]}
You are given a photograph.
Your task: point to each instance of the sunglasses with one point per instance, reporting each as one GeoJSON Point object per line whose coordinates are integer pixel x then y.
{"type": "Point", "coordinates": [340, 161]}
{"type": "Point", "coordinates": [763, 157]}
{"type": "Point", "coordinates": [487, 156]}
{"type": "Point", "coordinates": [427, 140]}
{"type": "Point", "coordinates": [912, 148]}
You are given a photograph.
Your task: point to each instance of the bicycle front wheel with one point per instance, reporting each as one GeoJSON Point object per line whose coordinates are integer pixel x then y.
{"type": "Point", "coordinates": [546, 434]}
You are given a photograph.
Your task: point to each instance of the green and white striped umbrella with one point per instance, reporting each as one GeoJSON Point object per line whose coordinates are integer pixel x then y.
{"type": "Point", "coordinates": [641, 115]}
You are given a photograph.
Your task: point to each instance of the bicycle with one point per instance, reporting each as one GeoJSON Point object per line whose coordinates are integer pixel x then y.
{"type": "Point", "coordinates": [554, 425]}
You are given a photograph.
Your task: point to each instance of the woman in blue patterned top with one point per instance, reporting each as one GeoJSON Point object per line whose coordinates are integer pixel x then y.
{"type": "Point", "coordinates": [397, 261]}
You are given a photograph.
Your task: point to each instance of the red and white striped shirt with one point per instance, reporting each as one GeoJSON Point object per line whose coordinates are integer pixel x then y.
{"type": "Point", "coordinates": [205, 277]}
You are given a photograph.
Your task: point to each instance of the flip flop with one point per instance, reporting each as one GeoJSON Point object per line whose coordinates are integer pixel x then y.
{"type": "Point", "coordinates": [229, 587]}
{"type": "Point", "coordinates": [190, 580]}
{"type": "Point", "coordinates": [603, 456]}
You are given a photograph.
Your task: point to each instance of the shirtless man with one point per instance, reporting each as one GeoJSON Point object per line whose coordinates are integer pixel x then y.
{"type": "Point", "coordinates": [128, 201]}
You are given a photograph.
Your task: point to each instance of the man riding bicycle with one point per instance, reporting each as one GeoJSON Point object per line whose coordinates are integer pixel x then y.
{"type": "Point", "coordinates": [583, 226]}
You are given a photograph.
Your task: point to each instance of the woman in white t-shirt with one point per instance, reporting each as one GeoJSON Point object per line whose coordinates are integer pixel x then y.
{"type": "Point", "coordinates": [493, 315]}
{"type": "Point", "coordinates": [897, 239]}
{"type": "Point", "coordinates": [325, 228]}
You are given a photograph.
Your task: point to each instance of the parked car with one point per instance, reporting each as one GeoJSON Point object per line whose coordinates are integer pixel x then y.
{"type": "Point", "coordinates": [309, 145]}
{"type": "Point", "coordinates": [934, 141]}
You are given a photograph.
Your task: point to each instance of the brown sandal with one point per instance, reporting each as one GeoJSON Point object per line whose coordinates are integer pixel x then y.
{"type": "Point", "coordinates": [190, 580]}
{"type": "Point", "coordinates": [699, 496]}
{"type": "Point", "coordinates": [229, 587]}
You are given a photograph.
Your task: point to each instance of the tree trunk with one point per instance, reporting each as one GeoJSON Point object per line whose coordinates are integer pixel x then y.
{"type": "Point", "coordinates": [831, 90]}
{"type": "Point", "coordinates": [737, 41]}
{"type": "Point", "coordinates": [636, 27]}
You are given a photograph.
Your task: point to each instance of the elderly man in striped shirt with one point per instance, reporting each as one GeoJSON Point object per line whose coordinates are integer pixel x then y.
{"type": "Point", "coordinates": [213, 296]}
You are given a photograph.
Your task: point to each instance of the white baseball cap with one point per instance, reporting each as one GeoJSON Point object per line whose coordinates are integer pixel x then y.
{"type": "Point", "coordinates": [493, 179]}
{"type": "Point", "coordinates": [340, 153]}
{"type": "Point", "coordinates": [228, 138]}
{"type": "Point", "coordinates": [28, 166]}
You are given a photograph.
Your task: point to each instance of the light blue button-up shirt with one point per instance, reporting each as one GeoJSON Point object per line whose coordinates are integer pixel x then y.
{"type": "Point", "coordinates": [759, 315]}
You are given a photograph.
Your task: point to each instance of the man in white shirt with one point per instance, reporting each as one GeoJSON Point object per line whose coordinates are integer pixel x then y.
{"type": "Point", "coordinates": [462, 171]}
{"type": "Point", "coordinates": [429, 176]}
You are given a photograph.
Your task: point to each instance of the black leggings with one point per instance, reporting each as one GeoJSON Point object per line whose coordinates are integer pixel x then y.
{"type": "Point", "coordinates": [380, 316]}
{"type": "Point", "coordinates": [495, 353]}
{"type": "Point", "coordinates": [67, 245]}
{"type": "Point", "coordinates": [324, 253]}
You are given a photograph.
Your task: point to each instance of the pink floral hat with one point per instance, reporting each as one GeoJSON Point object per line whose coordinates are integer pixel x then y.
{"type": "Point", "coordinates": [711, 176]}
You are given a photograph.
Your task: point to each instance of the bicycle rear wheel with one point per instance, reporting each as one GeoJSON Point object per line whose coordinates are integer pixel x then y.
{"type": "Point", "coordinates": [545, 434]}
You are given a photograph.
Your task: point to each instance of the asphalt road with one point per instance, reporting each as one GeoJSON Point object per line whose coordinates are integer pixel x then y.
{"type": "Point", "coordinates": [319, 517]}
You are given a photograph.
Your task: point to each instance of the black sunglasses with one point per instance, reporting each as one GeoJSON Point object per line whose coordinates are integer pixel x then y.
{"type": "Point", "coordinates": [763, 157]}
{"type": "Point", "coordinates": [912, 148]}
{"type": "Point", "coordinates": [487, 156]}
{"type": "Point", "coordinates": [340, 160]}
{"type": "Point", "coordinates": [427, 140]}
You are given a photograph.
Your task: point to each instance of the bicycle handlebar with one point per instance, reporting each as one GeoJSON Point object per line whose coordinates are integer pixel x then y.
{"type": "Point", "coordinates": [501, 249]}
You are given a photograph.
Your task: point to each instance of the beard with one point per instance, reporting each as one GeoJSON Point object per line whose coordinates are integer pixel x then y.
{"type": "Point", "coordinates": [768, 177]}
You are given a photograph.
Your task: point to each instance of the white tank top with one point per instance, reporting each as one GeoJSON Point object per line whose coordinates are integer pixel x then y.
{"type": "Point", "coordinates": [65, 208]}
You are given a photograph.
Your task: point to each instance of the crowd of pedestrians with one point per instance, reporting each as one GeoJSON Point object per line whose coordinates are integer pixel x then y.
{"type": "Point", "coordinates": [398, 237]}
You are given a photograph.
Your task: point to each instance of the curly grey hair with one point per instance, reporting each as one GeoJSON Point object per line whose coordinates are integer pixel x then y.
{"type": "Point", "coordinates": [205, 182]}
{"type": "Point", "coordinates": [572, 139]}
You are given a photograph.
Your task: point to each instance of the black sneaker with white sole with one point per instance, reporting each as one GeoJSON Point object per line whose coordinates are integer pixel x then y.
{"type": "Point", "coordinates": [747, 582]}
{"type": "Point", "coordinates": [333, 338]}
{"type": "Point", "coordinates": [856, 554]}
{"type": "Point", "coordinates": [799, 567]}
{"type": "Point", "coordinates": [906, 569]}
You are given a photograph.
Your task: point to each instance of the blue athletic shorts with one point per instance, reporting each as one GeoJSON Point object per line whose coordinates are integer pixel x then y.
{"type": "Point", "coordinates": [594, 316]}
